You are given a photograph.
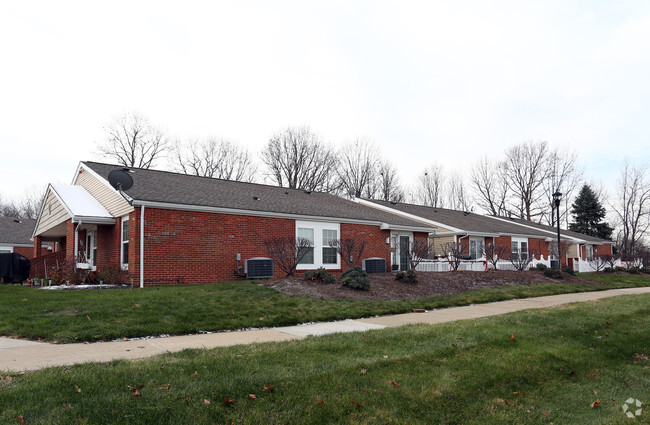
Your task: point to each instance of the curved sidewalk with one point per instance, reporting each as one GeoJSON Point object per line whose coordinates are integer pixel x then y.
{"type": "Point", "coordinates": [19, 355]}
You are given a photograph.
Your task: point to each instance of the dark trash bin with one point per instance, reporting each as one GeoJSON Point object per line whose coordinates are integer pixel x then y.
{"type": "Point", "coordinates": [14, 268]}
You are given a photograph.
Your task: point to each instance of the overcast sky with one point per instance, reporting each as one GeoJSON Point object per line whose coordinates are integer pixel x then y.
{"type": "Point", "coordinates": [428, 81]}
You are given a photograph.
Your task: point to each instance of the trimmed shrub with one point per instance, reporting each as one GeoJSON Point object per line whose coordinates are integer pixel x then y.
{"type": "Point", "coordinates": [569, 270]}
{"type": "Point", "coordinates": [609, 269]}
{"type": "Point", "coordinates": [541, 267]}
{"type": "Point", "coordinates": [355, 278]}
{"type": "Point", "coordinates": [633, 270]}
{"type": "Point", "coordinates": [553, 273]}
{"type": "Point", "coordinates": [319, 275]}
{"type": "Point", "coordinates": [408, 277]}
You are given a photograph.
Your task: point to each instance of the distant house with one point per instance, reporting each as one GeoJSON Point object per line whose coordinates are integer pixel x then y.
{"type": "Point", "coordinates": [171, 228]}
{"type": "Point", "coordinates": [15, 236]}
{"type": "Point", "coordinates": [474, 231]}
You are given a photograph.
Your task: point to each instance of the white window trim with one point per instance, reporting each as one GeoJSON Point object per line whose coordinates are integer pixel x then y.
{"type": "Point", "coordinates": [318, 244]}
{"type": "Point", "coordinates": [4, 249]}
{"type": "Point", "coordinates": [394, 243]}
{"type": "Point", "coordinates": [124, 266]}
{"type": "Point", "coordinates": [481, 245]}
{"type": "Point", "coordinates": [519, 241]}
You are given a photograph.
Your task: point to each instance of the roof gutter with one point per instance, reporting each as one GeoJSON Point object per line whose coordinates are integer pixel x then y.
{"type": "Point", "coordinates": [235, 211]}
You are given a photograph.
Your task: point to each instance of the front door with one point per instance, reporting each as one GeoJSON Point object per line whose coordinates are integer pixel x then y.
{"type": "Point", "coordinates": [404, 246]}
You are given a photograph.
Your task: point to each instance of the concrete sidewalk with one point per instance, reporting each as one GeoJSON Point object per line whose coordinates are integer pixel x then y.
{"type": "Point", "coordinates": [18, 355]}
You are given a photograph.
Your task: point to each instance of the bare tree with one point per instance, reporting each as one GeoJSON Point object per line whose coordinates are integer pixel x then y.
{"type": "Point", "coordinates": [490, 187]}
{"type": "Point", "coordinates": [525, 169]}
{"type": "Point", "coordinates": [298, 159]}
{"type": "Point", "coordinates": [358, 167]}
{"type": "Point", "coordinates": [133, 142]}
{"type": "Point", "coordinates": [349, 249]}
{"type": "Point", "coordinates": [419, 249]}
{"type": "Point", "coordinates": [495, 252]}
{"type": "Point", "coordinates": [559, 251]}
{"type": "Point", "coordinates": [430, 186]}
{"type": "Point", "coordinates": [29, 206]}
{"type": "Point", "coordinates": [457, 195]}
{"type": "Point", "coordinates": [216, 158]}
{"type": "Point", "coordinates": [287, 252]}
{"type": "Point", "coordinates": [520, 261]}
{"type": "Point", "coordinates": [564, 176]}
{"type": "Point", "coordinates": [632, 209]}
{"type": "Point", "coordinates": [388, 186]}
{"type": "Point", "coordinates": [599, 262]}
{"type": "Point", "coordinates": [455, 252]}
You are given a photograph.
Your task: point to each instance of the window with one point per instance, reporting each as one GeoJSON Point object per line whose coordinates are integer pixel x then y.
{"type": "Point", "coordinates": [320, 235]}
{"type": "Point", "coordinates": [6, 249]}
{"type": "Point", "coordinates": [475, 248]}
{"type": "Point", "coordinates": [519, 248]}
{"type": "Point", "coordinates": [590, 252]}
{"type": "Point", "coordinates": [125, 243]}
{"type": "Point", "coordinates": [307, 233]}
{"type": "Point", "coordinates": [329, 253]}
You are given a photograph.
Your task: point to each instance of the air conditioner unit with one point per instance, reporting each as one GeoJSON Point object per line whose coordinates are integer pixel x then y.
{"type": "Point", "coordinates": [258, 268]}
{"type": "Point", "coordinates": [374, 265]}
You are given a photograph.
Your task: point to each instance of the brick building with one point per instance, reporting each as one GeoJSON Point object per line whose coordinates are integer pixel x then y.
{"type": "Point", "coordinates": [171, 228]}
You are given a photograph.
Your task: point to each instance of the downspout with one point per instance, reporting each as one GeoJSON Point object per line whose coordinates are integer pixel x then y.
{"type": "Point", "coordinates": [142, 246]}
{"type": "Point", "coordinates": [76, 244]}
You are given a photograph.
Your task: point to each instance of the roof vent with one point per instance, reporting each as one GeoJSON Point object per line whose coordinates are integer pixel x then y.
{"type": "Point", "coordinates": [17, 220]}
{"type": "Point", "coordinates": [308, 192]}
{"type": "Point", "coordinates": [286, 192]}
{"type": "Point", "coordinates": [257, 198]}
{"type": "Point", "coordinates": [393, 202]}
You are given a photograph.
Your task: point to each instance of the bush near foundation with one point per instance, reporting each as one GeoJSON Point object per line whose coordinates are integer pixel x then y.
{"type": "Point", "coordinates": [355, 278]}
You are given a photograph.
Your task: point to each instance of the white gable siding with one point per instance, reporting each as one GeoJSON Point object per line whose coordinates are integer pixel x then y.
{"type": "Point", "coordinates": [53, 213]}
{"type": "Point", "coordinates": [109, 198]}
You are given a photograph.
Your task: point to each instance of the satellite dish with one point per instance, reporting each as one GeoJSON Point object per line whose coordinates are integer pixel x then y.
{"type": "Point", "coordinates": [351, 192]}
{"type": "Point", "coordinates": [120, 179]}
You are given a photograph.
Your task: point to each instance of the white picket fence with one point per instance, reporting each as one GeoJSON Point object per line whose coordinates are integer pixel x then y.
{"type": "Point", "coordinates": [579, 265]}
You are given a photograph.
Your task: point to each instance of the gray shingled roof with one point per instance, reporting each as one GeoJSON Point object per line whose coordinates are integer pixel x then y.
{"type": "Point", "coordinates": [467, 222]}
{"type": "Point", "coordinates": [174, 188]}
{"type": "Point", "coordinates": [562, 231]}
{"type": "Point", "coordinates": [16, 232]}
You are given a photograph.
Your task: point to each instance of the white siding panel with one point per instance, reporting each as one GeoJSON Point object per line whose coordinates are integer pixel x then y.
{"type": "Point", "coordinates": [109, 198]}
{"type": "Point", "coordinates": [53, 213]}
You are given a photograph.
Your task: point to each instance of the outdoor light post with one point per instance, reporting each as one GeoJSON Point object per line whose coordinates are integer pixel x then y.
{"type": "Point", "coordinates": [556, 199]}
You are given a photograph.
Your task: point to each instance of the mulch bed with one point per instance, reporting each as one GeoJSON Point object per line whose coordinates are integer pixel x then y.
{"type": "Point", "coordinates": [383, 286]}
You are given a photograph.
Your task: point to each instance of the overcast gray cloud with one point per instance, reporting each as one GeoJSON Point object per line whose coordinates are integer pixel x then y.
{"type": "Point", "coordinates": [445, 81]}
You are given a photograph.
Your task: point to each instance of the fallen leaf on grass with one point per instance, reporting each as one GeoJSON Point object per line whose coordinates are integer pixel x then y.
{"type": "Point", "coordinates": [544, 413]}
{"type": "Point", "coordinates": [229, 401]}
{"type": "Point", "coordinates": [591, 376]}
{"type": "Point", "coordinates": [25, 299]}
{"type": "Point", "coordinates": [88, 317]}
{"type": "Point", "coordinates": [165, 386]}
{"type": "Point", "coordinates": [187, 399]}
{"type": "Point", "coordinates": [116, 411]}
{"type": "Point", "coordinates": [77, 389]}
{"type": "Point", "coordinates": [20, 420]}
{"type": "Point", "coordinates": [206, 401]}
{"type": "Point", "coordinates": [320, 403]}
{"type": "Point", "coordinates": [518, 393]}
{"type": "Point", "coordinates": [195, 374]}
{"type": "Point", "coordinates": [356, 403]}
{"type": "Point", "coordinates": [512, 338]}
{"type": "Point", "coordinates": [595, 403]}
{"type": "Point", "coordinates": [364, 371]}
{"type": "Point", "coordinates": [252, 396]}
{"type": "Point", "coordinates": [269, 388]}
{"type": "Point", "coordinates": [394, 384]}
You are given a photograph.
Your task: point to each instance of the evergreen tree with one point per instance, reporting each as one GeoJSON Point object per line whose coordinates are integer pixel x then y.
{"type": "Point", "coordinates": [588, 214]}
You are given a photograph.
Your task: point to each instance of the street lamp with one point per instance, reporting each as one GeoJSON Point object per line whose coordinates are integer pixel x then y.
{"type": "Point", "coordinates": [556, 199]}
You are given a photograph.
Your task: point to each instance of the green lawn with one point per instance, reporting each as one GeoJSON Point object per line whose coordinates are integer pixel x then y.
{"type": "Point", "coordinates": [532, 367]}
{"type": "Point", "coordinates": [75, 316]}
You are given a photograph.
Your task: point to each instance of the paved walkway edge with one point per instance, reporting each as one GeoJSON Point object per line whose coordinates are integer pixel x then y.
{"type": "Point", "coordinates": [19, 355]}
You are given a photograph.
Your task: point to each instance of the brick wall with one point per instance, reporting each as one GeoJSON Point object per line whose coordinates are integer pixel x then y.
{"type": "Point", "coordinates": [185, 247]}
{"type": "Point", "coordinates": [374, 237]}
{"type": "Point", "coordinates": [538, 246]}
{"type": "Point", "coordinates": [605, 249]}
{"type": "Point", "coordinates": [47, 263]}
